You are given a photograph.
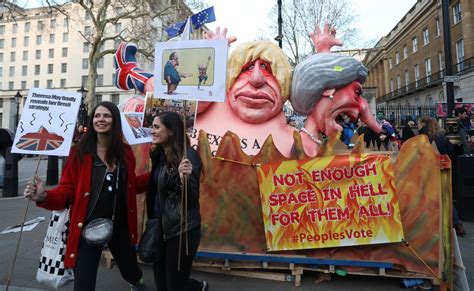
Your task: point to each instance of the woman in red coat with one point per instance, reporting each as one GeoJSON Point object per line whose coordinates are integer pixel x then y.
{"type": "Point", "coordinates": [98, 181]}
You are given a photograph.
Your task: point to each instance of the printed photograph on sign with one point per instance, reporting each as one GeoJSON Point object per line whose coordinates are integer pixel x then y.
{"type": "Point", "coordinates": [47, 123]}
{"type": "Point", "coordinates": [132, 128]}
{"type": "Point", "coordinates": [155, 106]}
{"type": "Point", "coordinates": [191, 70]}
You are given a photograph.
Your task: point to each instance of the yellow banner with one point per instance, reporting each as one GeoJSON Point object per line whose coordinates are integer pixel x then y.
{"type": "Point", "coordinates": [332, 201]}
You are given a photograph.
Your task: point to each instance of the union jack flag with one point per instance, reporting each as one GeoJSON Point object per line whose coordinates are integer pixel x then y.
{"type": "Point", "coordinates": [42, 140]}
{"type": "Point", "coordinates": [127, 74]}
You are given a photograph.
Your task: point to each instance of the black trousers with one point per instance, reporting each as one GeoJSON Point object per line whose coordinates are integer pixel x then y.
{"type": "Point", "coordinates": [88, 257]}
{"type": "Point", "coordinates": [167, 276]}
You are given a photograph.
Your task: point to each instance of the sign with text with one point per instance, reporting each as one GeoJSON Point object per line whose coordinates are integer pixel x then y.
{"type": "Point", "coordinates": [47, 123]}
{"type": "Point", "coordinates": [332, 201]}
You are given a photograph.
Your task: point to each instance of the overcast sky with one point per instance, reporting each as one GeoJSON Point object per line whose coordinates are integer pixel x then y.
{"type": "Point", "coordinates": [247, 19]}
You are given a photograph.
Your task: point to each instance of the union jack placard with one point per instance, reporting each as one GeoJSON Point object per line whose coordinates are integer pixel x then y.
{"type": "Point", "coordinates": [42, 140]}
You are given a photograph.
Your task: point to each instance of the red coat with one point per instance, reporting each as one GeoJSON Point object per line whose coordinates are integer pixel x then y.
{"type": "Point", "coordinates": [74, 187]}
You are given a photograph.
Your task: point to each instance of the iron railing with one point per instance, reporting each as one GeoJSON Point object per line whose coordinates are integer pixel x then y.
{"type": "Point", "coordinates": [400, 114]}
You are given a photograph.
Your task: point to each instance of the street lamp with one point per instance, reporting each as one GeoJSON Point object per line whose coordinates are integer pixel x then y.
{"type": "Point", "coordinates": [83, 107]}
{"type": "Point", "coordinates": [17, 101]}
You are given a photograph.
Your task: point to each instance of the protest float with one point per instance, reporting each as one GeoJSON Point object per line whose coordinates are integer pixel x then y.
{"type": "Point", "coordinates": [277, 201]}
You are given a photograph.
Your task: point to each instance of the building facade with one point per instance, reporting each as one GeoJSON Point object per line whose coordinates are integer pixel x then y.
{"type": "Point", "coordinates": [407, 66]}
{"type": "Point", "coordinates": [43, 48]}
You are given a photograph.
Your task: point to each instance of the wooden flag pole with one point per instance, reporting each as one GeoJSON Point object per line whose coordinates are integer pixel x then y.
{"type": "Point", "coordinates": [10, 275]}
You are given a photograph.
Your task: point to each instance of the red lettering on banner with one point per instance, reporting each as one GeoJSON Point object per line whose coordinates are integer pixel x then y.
{"type": "Point", "coordinates": [331, 194]}
{"type": "Point", "coordinates": [288, 179]}
{"type": "Point", "coordinates": [278, 199]}
{"type": "Point", "coordinates": [329, 214]}
{"type": "Point", "coordinates": [366, 190]}
{"type": "Point", "coordinates": [374, 210]}
{"type": "Point", "coordinates": [285, 219]}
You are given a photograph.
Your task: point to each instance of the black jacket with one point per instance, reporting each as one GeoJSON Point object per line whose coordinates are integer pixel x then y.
{"type": "Point", "coordinates": [168, 193]}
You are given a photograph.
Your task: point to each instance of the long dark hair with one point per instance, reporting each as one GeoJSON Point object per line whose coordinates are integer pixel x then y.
{"type": "Point", "coordinates": [173, 122]}
{"type": "Point", "coordinates": [88, 143]}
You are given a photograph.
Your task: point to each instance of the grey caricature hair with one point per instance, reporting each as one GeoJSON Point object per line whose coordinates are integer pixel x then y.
{"type": "Point", "coordinates": [320, 72]}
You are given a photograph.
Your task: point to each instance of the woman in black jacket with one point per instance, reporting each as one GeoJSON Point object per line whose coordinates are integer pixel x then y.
{"type": "Point", "coordinates": [170, 168]}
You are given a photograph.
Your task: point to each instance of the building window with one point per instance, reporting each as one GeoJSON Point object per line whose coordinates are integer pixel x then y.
{"type": "Point", "coordinates": [390, 65]}
{"type": "Point", "coordinates": [85, 64]}
{"type": "Point", "coordinates": [65, 37]}
{"type": "Point", "coordinates": [414, 44]}
{"type": "Point", "coordinates": [397, 58]}
{"type": "Point", "coordinates": [36, 83]}
{"type": "Point", "coordinates": [39, 39]}
{"type": "Point", "coordinates": [1, 57]}
{"type": "Point", "coordinates": [66, 22]}
{"type": "Point", "coordinates": [407, 78]}
{"type": "Point", "coordinates": [50, 68]}
{"type": "Point", "coordinates": [399, 82]}
{"type": "Point", "coordinates": [14, 42]}
{"type": "Point", "coordinates": [438, 28]}
{"type": "Point", "coordinates": [40, 25]}
{"type": "Point", "coordinates": [49, 84]}
{"type": "Point", "coordinates": [37, 69]}
{"type": "Point", "coordinates": [62, 83]}
{"type": "Point", "coordinates": [11, 71]}
{"type": "Point", "coordinates": [405, 52]}
{"type": "Point", "coordinates": [428, 69]}
{"type": "Point", "coordinates": [98, 98]}
{"type": "Point", "coordinates": [87, 15]}
{"type": "Point", "coordinates": [457, 13]}
{"type": "Point", "coordinates": [84, 80]}
{"type": "Point", "coordinates": [460, 54]}
{"type": "Point", "coordinates": [26, 41]}
{"type": "Point", "coordinates": [1, 72]}
{"type": "Point", "coordinates": [27, 26]}
{"type": "Point", "coordinates": [51, 38]}
{"type": "Point", "coordinates": [38, 54]}
{"type": "Point", "coordinates": [14, 28]}
{"type": "Point", "coordinates": [25, 55]}
{"type": "Point", "coordinates": [440, 61]}
{"type": "Point", "coordinates": [100, 80]}
{"type": "Point", "coordinates": [24, 70]}
{"type": "Point", "coordinates": [64, 52]}
{"type": "Point", "coordinates": [85, 47]}
{"type": "Point", "coordinates": [12, 56]}
{"type": "Point", "coordinates": [87, 30]}
{"type": "Point", "coordinates": [392, 87]}
{"type": "Point", "coordinates": [2, 29]}
{"type": "Point", "coordinates": [63, 67]}
{"type": "Point", "coordinates": [116, 43]}
{"type": "Point", "coordinates": [115, 98]}
{"type": "Point", "coordinates": [100, 63]}
{"type": "Point", "coordinates": [11, 85]}
{"type": "Point", "coordinates": [2, 43]}
{"type": "Point", "coordinates": [426, 36]}
{"type": "Point", "coordinates": [23, 85]}
{"type": "Point", "coordinates": [51, 53]}
{"type": "Point", "coordinates": [417, 75]}
{"type": "Point", "coordinates": [52, 24]}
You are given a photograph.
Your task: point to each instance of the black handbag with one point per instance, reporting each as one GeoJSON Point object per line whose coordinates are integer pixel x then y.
{"type": "Point", "coordinates": [150, 245]}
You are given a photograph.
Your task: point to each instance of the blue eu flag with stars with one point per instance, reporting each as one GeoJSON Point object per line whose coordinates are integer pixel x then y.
{"type": "Point", "coordinates": [176, 28]}
{"type": "Point", "coordinates": [203, 17]}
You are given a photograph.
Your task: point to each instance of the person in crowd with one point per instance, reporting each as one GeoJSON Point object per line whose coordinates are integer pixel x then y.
{"type": "Point", "coordinates": [171, 75]}
{"type": "Point", "coordinates": [98, 181]}
{"type": "Point", "coordinates": [461, 115]}
{"type": "Point", "coordinates": [173, 165]}
{"type": "Point", "coordinates": [407, 132]}
{"type": "Point", "coordinates": [467, 121]}
{"type": "Point", "coordinates": [430, 127]}
{"type": "Point", "coordinates": [348, 129]}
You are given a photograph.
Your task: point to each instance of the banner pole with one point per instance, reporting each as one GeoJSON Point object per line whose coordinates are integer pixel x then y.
{"type": "Point", "coordinates": [10, 275]}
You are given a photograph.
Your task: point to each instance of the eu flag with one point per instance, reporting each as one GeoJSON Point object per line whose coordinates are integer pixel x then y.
{"type": "Point", "coordinates": [203, 17]}
{"type": "Point", "coordinates": [176, 28]}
